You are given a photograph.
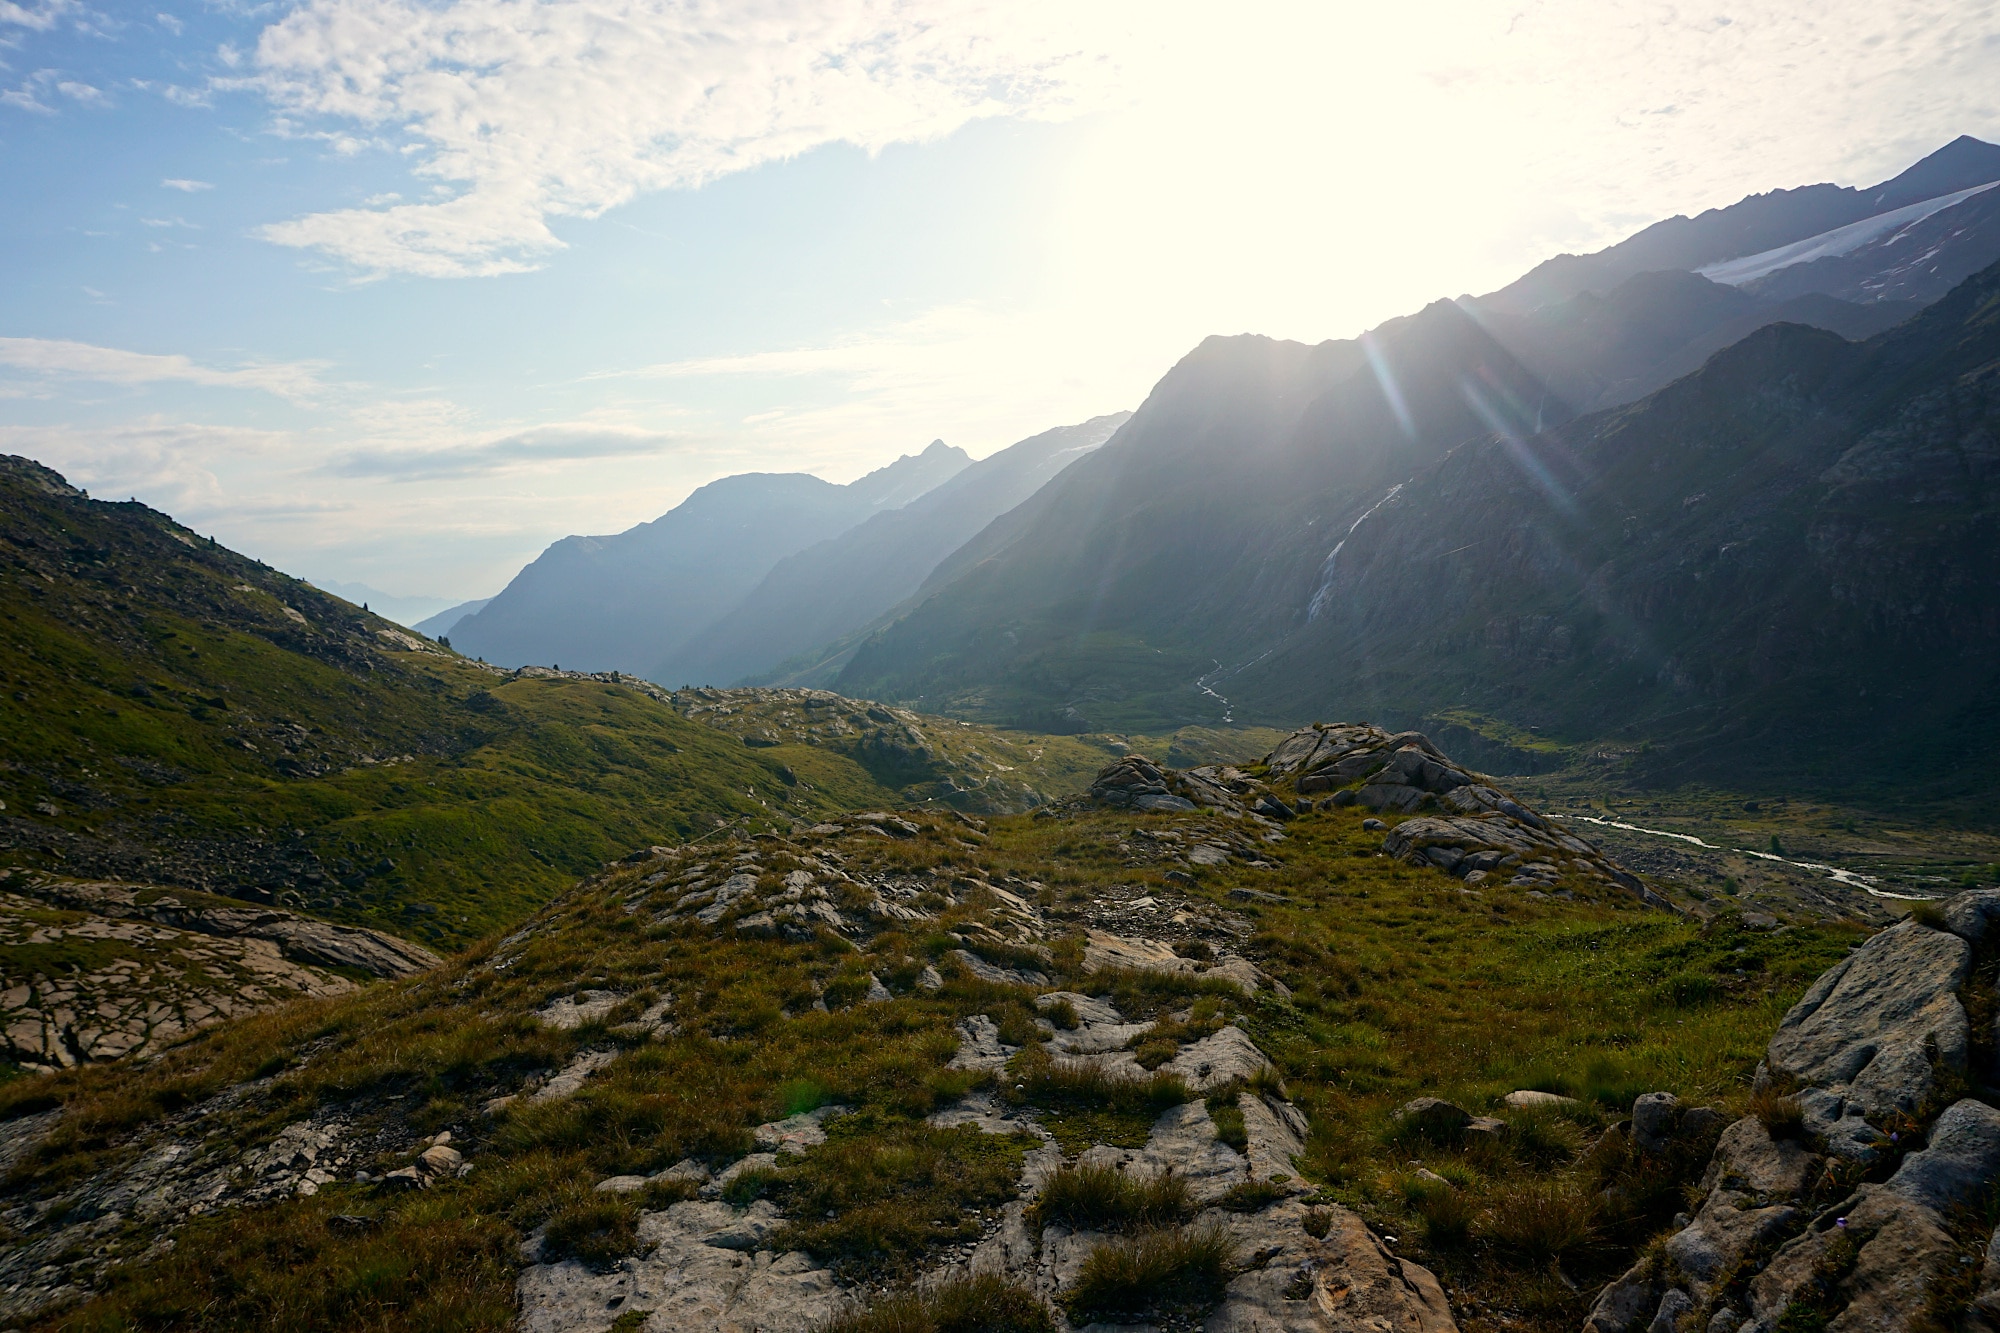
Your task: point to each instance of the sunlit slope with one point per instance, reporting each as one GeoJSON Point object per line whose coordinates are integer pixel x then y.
{"type": "Point", "coordinates": [174, 713]}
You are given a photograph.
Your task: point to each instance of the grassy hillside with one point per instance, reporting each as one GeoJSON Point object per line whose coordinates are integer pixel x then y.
{"type": "Point", "coordinates": [1401, 982]}
{"type": "Point", "coordinates": [174, 713]}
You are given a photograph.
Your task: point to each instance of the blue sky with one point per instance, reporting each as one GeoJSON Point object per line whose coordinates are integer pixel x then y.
{"type": "Point", "coordinates": [398, 291]}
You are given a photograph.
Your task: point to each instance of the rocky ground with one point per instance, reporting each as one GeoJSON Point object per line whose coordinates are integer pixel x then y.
{"type": "Point", "coordinates": [94, 971]}
{"type": "Point", "coordinates": [707, 1265]}
{"type": "Point", "coordinates": [1858, 1194]}
{"type": "Point", "coordinates": [790, 1079]}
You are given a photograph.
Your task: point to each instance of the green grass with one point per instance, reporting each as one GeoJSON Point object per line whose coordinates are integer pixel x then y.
{"type": "Point", "coordinates": [877, 1196]}
{"type": "Point", "coordinates": [981, 1304]}
{"type": "Point", "coordinates": [1179, 1270]}
{"type": "Point", "coordinates": [1400, 986]}
{"type": "Point", "coordinates": [1094, 1197]}
{"type": "Point", "coordinates": [155, 693]}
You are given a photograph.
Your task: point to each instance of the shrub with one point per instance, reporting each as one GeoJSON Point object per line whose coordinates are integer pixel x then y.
{"type": "Point", "coordinates": [984, 1303]}
{"type": "Point", "coordinates": [1543, 1137]}
{"type": "Point", "coordinates": [1063, 1014]}
{"type": "Point", "coordinates": [1043, 1080]}
{"type": "Point", "coordinates": [1094, 1197]}
{"type": "Point", "coordinates": [1228, 1119]}
{"type": "Point", "coordinates": [1929, 915]}
{"type": "Point", "coordinates": [1267, 1082]}
{"type": "Point", "coordinates": [1684, 990]}
{"type": "Point", "coordinates": [799, 1095]}
{"type": "Point", "coordinates": [1161, 1269]}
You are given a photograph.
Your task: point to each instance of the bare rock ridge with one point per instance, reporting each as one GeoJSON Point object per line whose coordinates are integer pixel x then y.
{"type": "Point", "coordinates": [709, 1264]}
{"type": "Point", "coordinates": [1853, 1197]}
{"type": "Point", "coordinates": [166, 964]}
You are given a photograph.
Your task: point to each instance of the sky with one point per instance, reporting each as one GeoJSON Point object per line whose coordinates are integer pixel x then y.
{"type": "Point", "coordinates": [396, 292]}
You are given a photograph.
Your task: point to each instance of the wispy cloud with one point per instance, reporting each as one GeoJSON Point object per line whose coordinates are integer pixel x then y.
{"type": "Point", "coordinates": [185, 186]}
{"type": "Point", "coordinates": [535, 110]}
{"type": "Point", "coordinates": [36, 17]}
{"type": "Point", "coordinates": [541, 445]}
{"type": "Point", "coordinates": [52, 358]}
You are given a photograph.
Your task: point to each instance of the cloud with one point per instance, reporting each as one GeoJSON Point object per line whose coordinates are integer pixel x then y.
{"type": "Point", "coordinates": [35, 17]}
{"type": "Point", "coordinates": [538, 109]}
{"type": "Point", "coordinates": [53, 358]}
{"type": "Point", "coordinates": [538, 446]}
{"type": "Point", "coordinates": [185, 186]}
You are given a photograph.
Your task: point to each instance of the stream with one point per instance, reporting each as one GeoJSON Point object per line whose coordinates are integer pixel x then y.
{"type": "Point", "coordinates": [1852, 878]}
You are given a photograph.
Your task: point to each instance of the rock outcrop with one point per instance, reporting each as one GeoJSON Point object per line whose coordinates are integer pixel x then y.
{"type": "Point", "coordinates": [1858, 1202]}
{"type": "Point", "coordinates": [166, 963]}
{"type": "Point", "coordinates": [1467, 826]}
{"type": "Point", "coordinates": [707, 1267]}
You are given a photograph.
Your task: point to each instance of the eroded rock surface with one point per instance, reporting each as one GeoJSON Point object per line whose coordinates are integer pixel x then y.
{"type": "Point", "coordinates": [162, 964]}
{"type": "Point", "coordinates": [1869, 1047]}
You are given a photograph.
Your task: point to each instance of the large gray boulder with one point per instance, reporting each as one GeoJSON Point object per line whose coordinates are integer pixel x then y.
{"type": "Point", "coordinates": [1865, 1037]}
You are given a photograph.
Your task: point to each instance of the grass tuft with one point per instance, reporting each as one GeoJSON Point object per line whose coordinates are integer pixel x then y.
{"type": "Point", "coordinates": [1181, 1269]}
{"type": "Point", "coordinates": [1784, 1116]}
{"type": "Point", "coordinates": [985, 1303]}
{"type": "Point", "coordinates": [1541, 1220]}
{"type": "Point", "coordinates": [598, 1229]}
{"type": "Point", "coordinates": [1094, 1197]}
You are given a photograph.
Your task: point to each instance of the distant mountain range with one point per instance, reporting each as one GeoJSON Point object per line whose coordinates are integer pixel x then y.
{"type": "Point", "coordinates": [444, 622]}
{"type": "Point", "coordinates": [811, 599]}
{"type": "Point", "coordinates": [629, 602]}
{"type": "Point", "coordinates": [410, 611]}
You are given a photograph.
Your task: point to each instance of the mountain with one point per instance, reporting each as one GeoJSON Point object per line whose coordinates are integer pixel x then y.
{"type": "Point", "coordinates": [1105, 598]}
{"type": "Point", "coordinates": [1758, 223]}
{"type": "Point", "coordinates": [1779, 570]}
{"type": "Point", "coordinates": [1179, 574]}
{"type": "Point", "coordinates": [829, 590]}
{"type": "Point", "coordinates": [627, 602]}
{"type": "Point", "coordinates": [408, 611]}
{"type": "Point", "coordinates": [1250, 448]}
{"type": "Point", "coordinates": [1919, 260]}
{"type": "Point", "coordinates": [1603, 349]}
{"type": "Point", "coordinates": [174, 714]}
{"type": "Point", "coordinates": [441, 625]}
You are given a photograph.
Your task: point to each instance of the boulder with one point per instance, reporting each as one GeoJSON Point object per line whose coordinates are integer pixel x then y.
{"type": "Point", "coordinates": [1347, 1281]}
{"type": "Point", "coordinates": [1881, 1284]}
{"type": "Point", "coordinates": [700, 1269]}
{"type": "Point", "coordinates": [1864, 1036]}
{"type": "Point", "coordinates": [1434, 1116]}
{"type": "Point", "coordinates": [1527, 1099]}
{"type": "Point", "coordinates": [1959, 1163]}
{"type": "Point", "coordinates": [1969, 915]}
{"type": "Point", "coordinates": [1655, 1118]}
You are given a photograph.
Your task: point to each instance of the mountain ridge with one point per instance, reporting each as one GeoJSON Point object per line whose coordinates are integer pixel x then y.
{"type": "Point", "coordinates": [623, 602]}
